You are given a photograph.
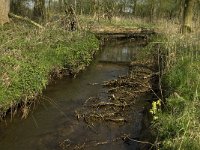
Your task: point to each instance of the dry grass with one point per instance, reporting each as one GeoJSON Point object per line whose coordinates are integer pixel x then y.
{"type": "Point", "coordinates": [178, 125]}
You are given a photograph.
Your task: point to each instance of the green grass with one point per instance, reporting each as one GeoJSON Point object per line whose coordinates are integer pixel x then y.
{"type": "Point", "coordinates": [29, 57]}
{"type": "Point", "coordinates": [178, 125]}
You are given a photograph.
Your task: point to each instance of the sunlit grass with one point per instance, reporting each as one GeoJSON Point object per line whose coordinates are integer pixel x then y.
{"type": "Point", "coordinates": [29, 57]}
{"type": "Point", "coordinates": [178, 125]}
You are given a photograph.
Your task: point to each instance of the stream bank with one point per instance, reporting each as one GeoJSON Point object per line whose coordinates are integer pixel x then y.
{"type": "Point", "coordinates": [105, 106]}
{"type": "Point", "coordinates": [177, 125]}
{"type": "Point", "coordinates": [31, 58]}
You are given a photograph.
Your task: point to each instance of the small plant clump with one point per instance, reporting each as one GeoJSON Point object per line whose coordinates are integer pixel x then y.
{"type": "Point", "coordinates": [156, 107]}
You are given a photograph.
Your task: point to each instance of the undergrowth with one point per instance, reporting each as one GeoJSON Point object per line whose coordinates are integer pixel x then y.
{"type": "Point", "coordinates": [30, 56]}
{"type": "Point", "coordinates": [178, 125]}
{"type": "Point", "coordinates": [117, 22]}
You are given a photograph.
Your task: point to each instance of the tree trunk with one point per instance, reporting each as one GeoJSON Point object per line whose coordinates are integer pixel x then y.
{"type": "Point", "coordinates": [187, 16]}
{"type": "Point", "coordinates": [75, 6]}
{"type": "Point", "coordinates": [39, 12]}
{"type": "Point", "coordinates": [61, 5]}
{"type": "Point", "coordinates": [152, 10]}
{"type": "Point", "coordinates": [16, 7]}
{"type": "Point", "coordinates": [134, 7]}
{"type": "Point", "coordinates": [94, 8]}
{"type": "Point", "coordinates": [180, 11]}
{"type": "Point", "coordinates": [4, 10]}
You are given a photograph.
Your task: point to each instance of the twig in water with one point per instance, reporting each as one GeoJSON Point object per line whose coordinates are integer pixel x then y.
{"type": "Point", "coordinates": [138, 141]}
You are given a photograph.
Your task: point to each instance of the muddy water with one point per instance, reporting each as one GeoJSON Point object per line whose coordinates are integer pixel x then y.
{"type": "Point", "coordinates": [53, 125]}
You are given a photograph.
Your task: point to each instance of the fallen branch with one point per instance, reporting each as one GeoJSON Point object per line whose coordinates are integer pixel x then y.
{"type": "Point", "coordinates": [108, 141]}
{"type": "Point", "coordinates": [102, 104]}
{"type": "Point", "coordinates": [26, 19]}
{"type": "Point", "coordinates": [67, 144]}
{"type": "Point", "coordinates": [117, 120]}
{"type": "Point", "coordinates": [126, 137]}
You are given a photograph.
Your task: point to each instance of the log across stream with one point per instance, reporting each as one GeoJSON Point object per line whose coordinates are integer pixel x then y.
{"type": "Point", "coordinates": [104, 107]}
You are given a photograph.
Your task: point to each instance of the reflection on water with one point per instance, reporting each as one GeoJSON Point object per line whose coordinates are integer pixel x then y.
{"type": "Point", "coordinates": [122, 53]}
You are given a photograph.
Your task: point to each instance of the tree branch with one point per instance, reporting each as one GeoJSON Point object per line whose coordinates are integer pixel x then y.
{"type": "Point", "coordinates": [26, 19]}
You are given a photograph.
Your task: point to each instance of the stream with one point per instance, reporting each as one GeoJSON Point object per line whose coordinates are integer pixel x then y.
{"type": "Point", "coordinates": [53, 125]}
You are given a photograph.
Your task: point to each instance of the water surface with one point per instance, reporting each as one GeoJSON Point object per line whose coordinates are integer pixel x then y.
{"type": "Point", "coordinates": [54, 121]}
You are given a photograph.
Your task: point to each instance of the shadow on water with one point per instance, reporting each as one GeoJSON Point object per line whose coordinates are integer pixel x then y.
{"type": "Point", "coordinates": [54, 120]}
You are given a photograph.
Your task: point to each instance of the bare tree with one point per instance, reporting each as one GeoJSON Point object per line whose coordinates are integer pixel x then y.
{"type": "Point", "coordinates": [4, 10]}
{"type": "Point", "coordinates": [188, 16]}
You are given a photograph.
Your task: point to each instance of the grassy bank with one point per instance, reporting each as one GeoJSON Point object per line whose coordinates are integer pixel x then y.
{"type": "Point", "coordinates": [178, 125]}
{"type": "Point", "coordinates": [30, 57]}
